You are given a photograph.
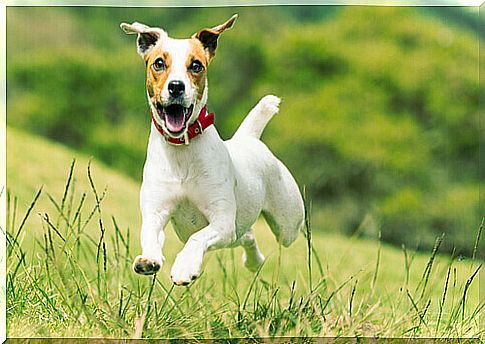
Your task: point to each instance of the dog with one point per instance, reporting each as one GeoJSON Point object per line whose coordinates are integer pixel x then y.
{"type": "Point", "coordinates": [211, 190]}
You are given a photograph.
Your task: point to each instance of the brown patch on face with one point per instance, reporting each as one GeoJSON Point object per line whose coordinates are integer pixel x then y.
{"type": "Point", "coordinates": [156, 79]}
{"type": "Point", "coordinates": [197, 53]}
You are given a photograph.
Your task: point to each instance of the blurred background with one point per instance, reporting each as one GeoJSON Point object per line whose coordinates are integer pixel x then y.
{"type": "Point", "coordinates": [379, 119]}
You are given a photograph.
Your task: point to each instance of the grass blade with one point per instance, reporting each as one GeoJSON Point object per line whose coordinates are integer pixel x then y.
{"type": "Point", "coordinates": [26, 216]}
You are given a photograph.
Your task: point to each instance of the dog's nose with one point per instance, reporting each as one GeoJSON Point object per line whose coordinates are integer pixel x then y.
{"type": "Point", "coordinates": [176, 88]}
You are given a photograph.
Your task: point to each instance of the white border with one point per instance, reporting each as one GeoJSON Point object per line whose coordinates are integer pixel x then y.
{"type": "Point", "coordinates": [221, 3]}
{"type": "Point", "coordinates": [3, 160]}
{"type": "Point", "coordinates": [143, 3]}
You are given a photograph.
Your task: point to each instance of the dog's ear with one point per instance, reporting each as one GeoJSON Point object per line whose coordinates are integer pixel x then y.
{"type": "Point", "coordinates": [208, 37]}
{"type": "Point", "coordinates": [147, 36]}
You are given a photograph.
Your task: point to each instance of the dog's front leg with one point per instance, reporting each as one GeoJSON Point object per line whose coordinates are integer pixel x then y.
{"type": "Point", "coordinates": [221, 232]}
{"type": "Point", "coordinates": [152, 237]}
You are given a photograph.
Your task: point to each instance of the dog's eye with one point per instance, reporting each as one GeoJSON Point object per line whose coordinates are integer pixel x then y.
{"type": "Point", "coordinates": [196, 66]}
{"type": "Point", "coordinates": [159, 64]}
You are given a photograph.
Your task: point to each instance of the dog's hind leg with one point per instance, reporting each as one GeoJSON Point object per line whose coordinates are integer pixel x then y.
{"type": "Point", "coordinates": [284, 210]}
{"type": "Point", "coordinates": [252, 256]}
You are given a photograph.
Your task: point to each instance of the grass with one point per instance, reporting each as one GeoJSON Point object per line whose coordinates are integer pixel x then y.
{"type": "Point", "coordinates": [70, 245]}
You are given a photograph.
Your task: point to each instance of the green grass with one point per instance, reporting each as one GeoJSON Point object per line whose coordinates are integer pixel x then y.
{"type": "Point", "coordinates": [69, 273]}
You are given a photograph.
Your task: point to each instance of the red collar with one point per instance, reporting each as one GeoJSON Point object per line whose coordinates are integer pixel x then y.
{"type": "Point", "coordinates": [203, 121]}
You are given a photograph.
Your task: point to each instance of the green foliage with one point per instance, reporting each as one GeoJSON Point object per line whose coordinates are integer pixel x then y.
{"type": "Point", "coordinates": [452, 211]}
{"type": "Point", "coordinates": [72, 98]}
{"type": "Point", "coordinates": [379, 117]}
{"type": "Point", "coordinates": [385, 103]}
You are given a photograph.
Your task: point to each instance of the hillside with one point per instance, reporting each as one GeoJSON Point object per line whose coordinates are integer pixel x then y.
{"type": "Point", "coordinates": [54, 301]}
{"type": "Point", "coordinates": [33, 162]}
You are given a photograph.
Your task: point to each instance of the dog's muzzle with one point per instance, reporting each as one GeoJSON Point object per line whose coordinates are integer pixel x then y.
{"type": "Point", "coordinates": [175, 116]}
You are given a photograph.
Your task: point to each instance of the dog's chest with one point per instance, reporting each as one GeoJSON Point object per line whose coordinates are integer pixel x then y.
{"type": "Point", "coordinates": [187, 219]}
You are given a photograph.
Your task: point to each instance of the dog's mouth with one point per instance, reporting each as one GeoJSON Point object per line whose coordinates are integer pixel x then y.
{"type": "Point", "coordinates": [175, 116]}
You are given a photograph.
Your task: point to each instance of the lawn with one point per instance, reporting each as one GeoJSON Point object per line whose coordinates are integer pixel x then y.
{"type": "Point", "coordinates": [69, 270]}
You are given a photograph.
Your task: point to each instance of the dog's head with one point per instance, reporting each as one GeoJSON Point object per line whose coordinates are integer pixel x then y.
{"type": "Point", "coordinates": [176, 72]}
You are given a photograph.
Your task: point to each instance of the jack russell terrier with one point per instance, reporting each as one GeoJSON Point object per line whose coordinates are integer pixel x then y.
{"type": "Point", "coordinates": [211, 190]}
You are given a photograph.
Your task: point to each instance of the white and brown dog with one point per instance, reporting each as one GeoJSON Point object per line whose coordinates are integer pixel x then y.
{"type": "Point", "coordinates": [211, 190]}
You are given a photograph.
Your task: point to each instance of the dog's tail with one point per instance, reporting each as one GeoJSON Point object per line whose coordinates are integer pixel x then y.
{"type": "Point", "coordinates": [257, 119]}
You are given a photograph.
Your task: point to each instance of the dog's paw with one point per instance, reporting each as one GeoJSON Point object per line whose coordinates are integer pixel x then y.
{"type": "Point", "coordinates": [269, 104]}
{"type": "Point", "coordinates": [186, 267]}
{"type": "Point", "coordinates": [252, 262]}
{"type": "Point", "coordinates": [146, 266]}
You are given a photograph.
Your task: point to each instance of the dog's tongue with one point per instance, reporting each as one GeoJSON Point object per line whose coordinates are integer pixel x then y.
{"type": "Point", "coordinates": [175, 122]}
